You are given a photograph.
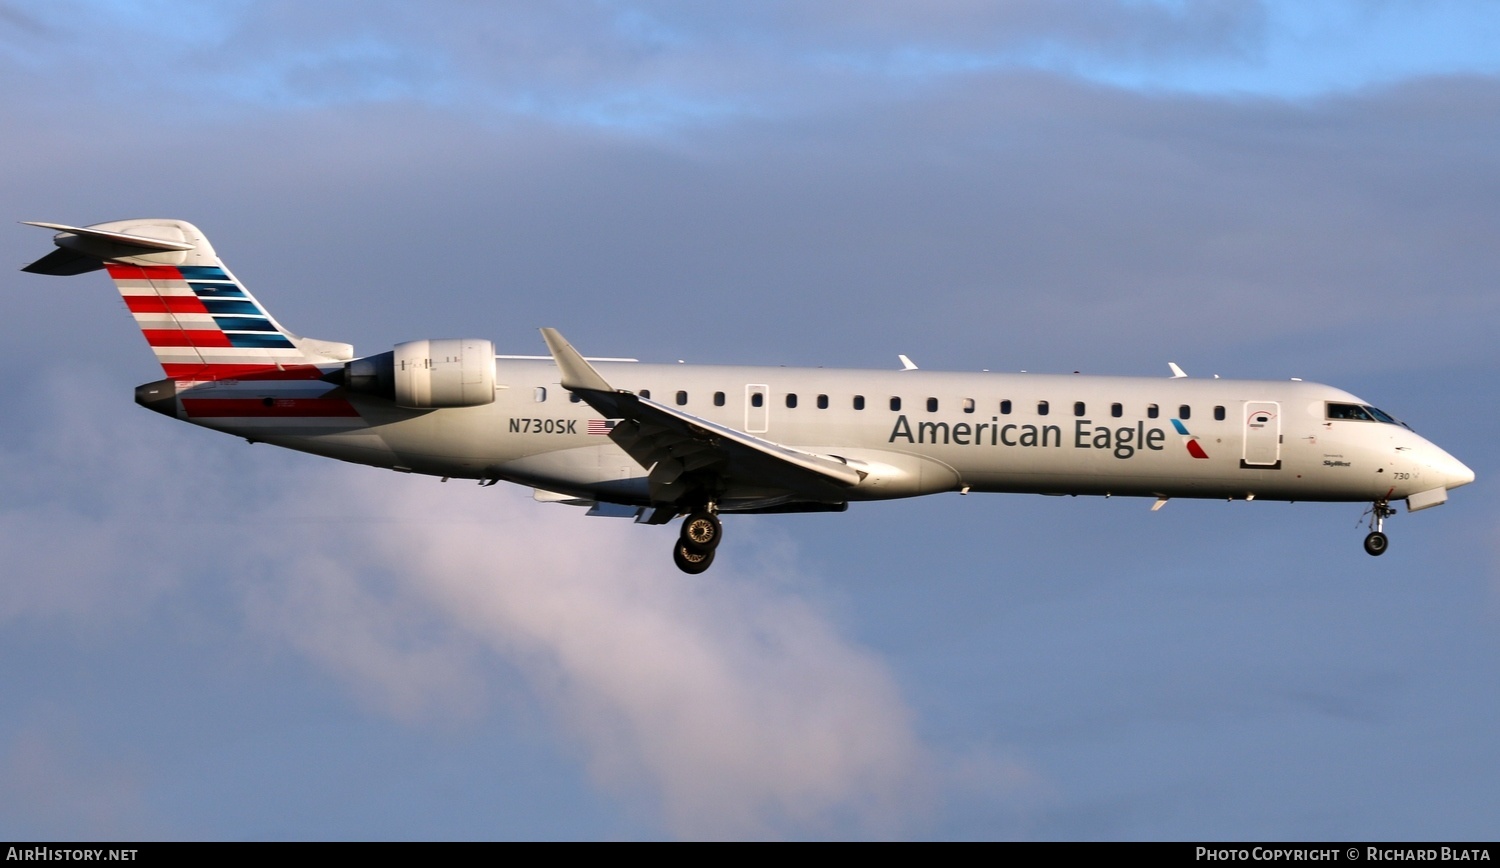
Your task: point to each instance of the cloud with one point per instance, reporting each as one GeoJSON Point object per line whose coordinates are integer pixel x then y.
{"type": "Point", "coordinates": [663, 67]}
{"type": "Point", "coordinates": [73, 527]}
{"type": "Point", "coordinates": [722, 706]}
{"type": "Point", "coordinates": [731, 705]}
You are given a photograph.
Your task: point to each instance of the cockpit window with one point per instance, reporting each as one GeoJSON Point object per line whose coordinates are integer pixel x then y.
{"type": "Point", "coordinates": [1359, 413]}
{"type": "Point", "coordinates": [1348, 411]}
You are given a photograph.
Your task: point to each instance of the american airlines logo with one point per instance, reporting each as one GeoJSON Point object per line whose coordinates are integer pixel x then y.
{"type": "Point", "coordinates": [1193, 447]}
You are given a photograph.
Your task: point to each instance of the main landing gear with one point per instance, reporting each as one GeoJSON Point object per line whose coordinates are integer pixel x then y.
{"type": "Point", "coordinates": [1376, 543]}
{"type": "Point", "coordinates": [701, 532]}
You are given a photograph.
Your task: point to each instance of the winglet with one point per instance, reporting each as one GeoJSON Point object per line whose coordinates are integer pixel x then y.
{"type": "Point", "coordinates": [576, 372]}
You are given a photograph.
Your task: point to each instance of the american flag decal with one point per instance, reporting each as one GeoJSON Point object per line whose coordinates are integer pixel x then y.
{"type": "Point", "coordinates": [601, 426]}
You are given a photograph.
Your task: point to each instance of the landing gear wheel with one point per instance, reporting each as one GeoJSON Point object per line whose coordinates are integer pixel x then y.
{"type": "Point", "coordinates": [1376, 543]}
{"type": "Point", "coordinates": [701, 531]}
{"type": "Point", "coordinates": [690, 560]}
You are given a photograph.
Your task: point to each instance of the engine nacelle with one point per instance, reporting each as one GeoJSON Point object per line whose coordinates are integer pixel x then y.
{"type": "Point", "coordinates": [424, 375]}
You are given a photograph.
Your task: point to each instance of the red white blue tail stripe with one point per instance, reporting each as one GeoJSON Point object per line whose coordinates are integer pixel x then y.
{"type": "Point", "coordinates": [203, 325]}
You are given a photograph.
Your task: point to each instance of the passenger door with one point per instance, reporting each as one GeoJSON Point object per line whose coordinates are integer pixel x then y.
{"type": "Point", "coordinates": [1262, 435]}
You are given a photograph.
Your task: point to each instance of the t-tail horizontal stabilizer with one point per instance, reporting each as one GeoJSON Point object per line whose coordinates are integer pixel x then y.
{"type": "Point", "coordinates": [82, 249]}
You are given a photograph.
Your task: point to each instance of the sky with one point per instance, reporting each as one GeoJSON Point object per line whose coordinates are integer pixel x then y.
{"type": "Point", "coordinates": [204, 639]}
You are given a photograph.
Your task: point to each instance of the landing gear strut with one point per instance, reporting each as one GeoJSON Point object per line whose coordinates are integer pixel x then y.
{"type": "Point", "coordinates": [1376, 543]}
{"type": "Point", "coordinates": [701, 533]}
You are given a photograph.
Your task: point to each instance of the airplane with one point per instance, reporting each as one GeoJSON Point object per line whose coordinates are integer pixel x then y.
{"type": "Point", "coordinates": [658, 442]}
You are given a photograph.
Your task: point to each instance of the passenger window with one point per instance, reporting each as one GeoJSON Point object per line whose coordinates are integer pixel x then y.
{"type": "Point", "coordinates": [932, 405]}
{"type": "Point", "coordinates": [1116, 410]}
{"type": "Point", "coordinates": [1005, 408]}
{"type": "Point", "coordinates": [1042, 408]}
{"type": "Point", "coordinates": [718, 399]}
{"type": "Point", "coordinates": [968, 405]}
{"type": "Point", "coordinates": [822, 402]}
{"type": "Point", "coordinates": [1152, 411]}
{"type": "Point", "coordinates": [757, 399]}
{"type": "Point", "coordinates": [1078, 408]}
{"type": "Point", "coordinates": [791, 400]}
{"type": "Point", "coordinates": [895, 403]}
{"type": "Point", "coordinates": [573, 396]}
{"type": "Point", "coordinates": [681, 398]}
{"type": "Point", "coordinates": [540, 394]}
{"type": "Point", "coordinates": [859, 402]}
{"type": "Point", "coordinates": [1184, 412]}
{"type": "Point", "coordinates": [1219, 414]}
{"type": "Point", "coordinates": [646, 393]}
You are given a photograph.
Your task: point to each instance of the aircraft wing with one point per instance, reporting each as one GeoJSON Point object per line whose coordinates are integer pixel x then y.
{"type": "Point", "coordinates": [679, 450]}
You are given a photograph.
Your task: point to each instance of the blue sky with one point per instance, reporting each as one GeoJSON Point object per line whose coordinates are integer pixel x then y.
{"type": "Point", "coordinates": [651, 67]}
{"type": "Point", "coordinates": [204, 639]}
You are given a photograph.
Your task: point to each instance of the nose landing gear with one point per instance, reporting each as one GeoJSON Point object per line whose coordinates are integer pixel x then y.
{"type": "Point", "coordinates": [1376, 542]}
{"type": "Point", "coordinates": [701, 532]}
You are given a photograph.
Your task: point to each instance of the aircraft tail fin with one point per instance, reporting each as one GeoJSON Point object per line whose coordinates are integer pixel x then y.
{"type": "Point", "coordinates": [201, 322]}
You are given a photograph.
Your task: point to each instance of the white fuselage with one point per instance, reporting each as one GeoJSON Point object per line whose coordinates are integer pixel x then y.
{"type": "Point", "coordinates": [911, 433]}
{"type": "Point", "coordinates": [661, 441]}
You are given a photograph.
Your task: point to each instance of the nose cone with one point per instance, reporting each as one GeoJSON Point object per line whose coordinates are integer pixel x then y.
{"type": "Point", "coordinates": [1450, 470]}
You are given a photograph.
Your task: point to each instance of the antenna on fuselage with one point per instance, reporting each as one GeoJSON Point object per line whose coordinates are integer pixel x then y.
{"type": "Point", "coordinates": [1177, 373]}
{"type": "Point", "coordinates": [906, 363]}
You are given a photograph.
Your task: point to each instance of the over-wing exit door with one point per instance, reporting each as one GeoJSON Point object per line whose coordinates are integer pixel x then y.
{"type": "Point", "coordinates": [757, 409]}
